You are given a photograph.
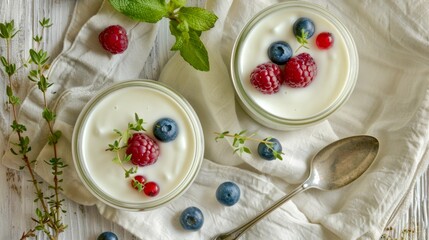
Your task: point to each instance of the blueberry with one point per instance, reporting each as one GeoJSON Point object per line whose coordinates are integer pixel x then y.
{"type": "Point", "coordinates": [107, 236]}
{"type": "Point", "coordinates": [192, 219]}
{"type": "Point", "coordinates": [303, 26]}
{"type": "Point", "coordinates": [165, 129]}
{"type": "Point", "coordinates": [228, 193]}
{"type": "Point", "coordinates": [265, 152]}
{"type": "Point", "coordinates": [279, 52]}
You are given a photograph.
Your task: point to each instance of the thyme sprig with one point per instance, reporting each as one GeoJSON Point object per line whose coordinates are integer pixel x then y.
{"type": "Point", "coordinates": [122, 142]}
{"type": "Point", "coordinates": [239, 141]}
{"type": "Point", "coordinates": [48, 217]}
{"type": "Point", "coordinates": [302, 40]}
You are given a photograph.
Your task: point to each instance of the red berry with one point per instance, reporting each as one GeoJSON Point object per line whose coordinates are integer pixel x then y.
{"type": "Point", "coordinates": [114, 39]}
{"type": "Point", "coordinates": [143, 149]}
{"type": "Point", "coordinates": [300, 70]}
{"type": "Point", "coordinates": [267, 78]}
{"type": "Point", "coordinates": [151, 189]}
{"type": "Point", "coordinates": [324, 40]}
{"type": "Point", "coordinates": [137, 181]}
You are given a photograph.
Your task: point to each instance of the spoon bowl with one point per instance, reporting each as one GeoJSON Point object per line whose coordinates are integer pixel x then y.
{"type": "Point", "coordinates": [333, 167]}
{"type": "Point", "coordinates": [341, 162]}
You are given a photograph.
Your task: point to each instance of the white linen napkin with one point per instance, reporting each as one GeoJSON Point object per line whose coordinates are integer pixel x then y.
{"type": "Point", "coordinates": [391, 102]}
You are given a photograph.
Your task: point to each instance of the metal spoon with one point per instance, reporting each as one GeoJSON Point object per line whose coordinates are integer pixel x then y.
{"type": "Point", "coordinates": [335, 166]}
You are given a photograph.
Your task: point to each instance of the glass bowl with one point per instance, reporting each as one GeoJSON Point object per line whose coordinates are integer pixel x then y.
{"type": "Point", "coordinates": [293, 108]}
{"type": "Point", "coordinates": [112, 109]}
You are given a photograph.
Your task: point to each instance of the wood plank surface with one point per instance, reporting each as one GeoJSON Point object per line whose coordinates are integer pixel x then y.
{"type": "Point", "coordinates": [85, 223]}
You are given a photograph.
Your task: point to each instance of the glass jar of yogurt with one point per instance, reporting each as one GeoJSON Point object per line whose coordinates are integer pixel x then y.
{"type": "Point", "coordinates": [292, 108]}
{"type": "Point", "coordinates": [113, 108]}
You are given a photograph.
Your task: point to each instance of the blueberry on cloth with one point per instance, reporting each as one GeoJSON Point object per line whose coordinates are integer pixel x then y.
{"type": "Point", "coordinates": [303, 26]}
{"type": "Point", "coordinates": [107, 236]}
{"type": "Point", "coordinates": [228, 193]}
{"type": "Point", "coordinates": [192, 219]}
{"type": "Point", "coordinates": [267, 153]}
{"type": "Point", "coordinates": [279, 52]}
{"type": "Point", "coordinates": [165, 129]}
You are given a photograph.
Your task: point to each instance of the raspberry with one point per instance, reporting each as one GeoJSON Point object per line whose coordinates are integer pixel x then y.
{"type": "Point", "coordinates": [143, 149]}
{"type": "Point", "coordinates": [300, 70]}
{"type": "Point", "coordinates": [267, 78]}
{"type": "Point", "coordinates": [114, 39]}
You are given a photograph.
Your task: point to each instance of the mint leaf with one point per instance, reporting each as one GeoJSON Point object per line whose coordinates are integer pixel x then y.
{"type": "Point", "coordinates": [194, 52]}
{"type": "Point", "coordinates": [190, 46]}
{"type": "Point", "coordinates": [197, 18]}
{"type": "Point", "coordinates": [175, 4]}
{"type": "Point", "coordinates": [150, 11]}
{"type": "Point", "coordinates": [181, 37]}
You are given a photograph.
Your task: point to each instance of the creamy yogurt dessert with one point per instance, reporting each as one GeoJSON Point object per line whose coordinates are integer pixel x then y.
{"type": "Point", "coordinates": [115, 107]}
{"type": "Point", "coordinates": [293, 107]}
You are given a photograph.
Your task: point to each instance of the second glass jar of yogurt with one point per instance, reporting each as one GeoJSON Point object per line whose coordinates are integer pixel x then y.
{"type": "Point", "coordinates": [292, 108]}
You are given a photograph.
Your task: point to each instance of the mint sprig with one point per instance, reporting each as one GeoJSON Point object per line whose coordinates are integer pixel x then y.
{"type": "Point", "coordinates": [186, 25]}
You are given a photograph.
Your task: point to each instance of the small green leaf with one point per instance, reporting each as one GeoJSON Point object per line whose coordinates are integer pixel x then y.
{"type": "Point", "coordinates": [53, 138]}
{"type": "Point", "coordinates": [116, 160]}
{"type": "Point", "coordinates": [197, 18]}
{"type": "Point", "coordinates": [39, 213]}
{"type": "Point", "coordinates": [10, 69]}
{"type": "Point", "coordinates": [9, 91]}
{"type": "Point", "coordinates": [130, 171]}
{"type": "Point", "coordinates": [45, 22]}
{"type": "Point", "coordinates": [150, 11]}
{"type": "Point", "coordinates": [137, 185]}
{"type": "Point", "coordinates": [48, 115]}
{"type": "Point", "coordinates": [37, 38]}
{"type": "Point", "coordinates": [127, 158]}
{"type": "Point", "coordinates": [246, 150]}
{"type": "Point", "coordinates": [34, 56]}
{"type": "Point", "coordinates": [181, 37]}
{"type": "Point", "coordinates": [302, 39]}
{"type": "Point", "coordinates": [4, 61]}
{"type": "Point", "coordinates": [175, 4]}
{"type": "Point", "coordinates": [195, 53]}
{"type": "Point", "coordinates": [7, 30]}
{"type": "Point", "coordinates": [13, 151]}
{"type": "Point", "coordinates": [183, 27]}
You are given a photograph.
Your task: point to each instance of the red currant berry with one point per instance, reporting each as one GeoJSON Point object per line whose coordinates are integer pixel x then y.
{"type": "Point", "coordinates": [137, 182]}
{"type": "Point", "coordinates": [114, 39]}
{"type": "Point", "coordinates": [324, 40]}
{"type": "Point", "coordinates": [151, 189]}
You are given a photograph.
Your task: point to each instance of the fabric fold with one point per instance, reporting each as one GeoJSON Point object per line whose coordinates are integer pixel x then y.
{"type": "Point", "coordinates": [390, 102]}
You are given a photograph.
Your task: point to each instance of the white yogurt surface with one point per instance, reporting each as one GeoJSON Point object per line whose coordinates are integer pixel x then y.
{"type": "Point", "coordinates": [332, 64]}
{"type": "Point", "coordinates": [115, 111]}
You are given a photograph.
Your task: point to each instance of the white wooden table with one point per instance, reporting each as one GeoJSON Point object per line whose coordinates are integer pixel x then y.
{"type": "Point", "coordinates": [16, 194]}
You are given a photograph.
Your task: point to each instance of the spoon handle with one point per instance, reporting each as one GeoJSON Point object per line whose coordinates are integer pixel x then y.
{"type": "Point", "coordinates": [236, 233]}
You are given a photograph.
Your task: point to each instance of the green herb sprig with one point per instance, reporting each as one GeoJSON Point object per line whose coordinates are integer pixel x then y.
{"type": "Point", "coordinates": [239, 141]}
{"type": "Point", "coordinates": [48, 217]}
{"type": "Point", "coordinates": [122, 142]}
{"type": "Point", "coordinates": [186, 25]}
{"type": "Point", "coordinates": [302, 40]}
